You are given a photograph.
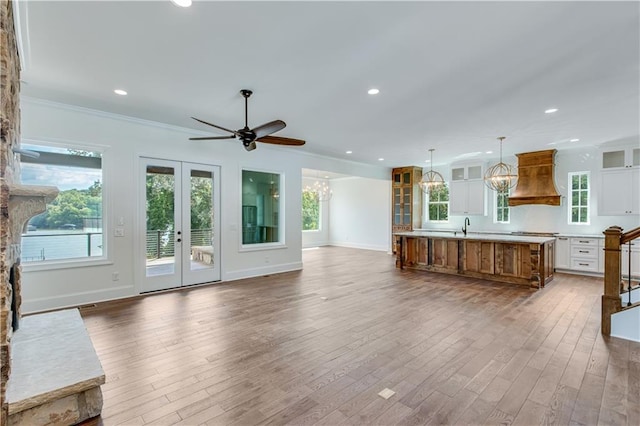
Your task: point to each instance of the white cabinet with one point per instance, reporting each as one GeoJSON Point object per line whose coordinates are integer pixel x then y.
{"type": "Point", "coordinates": [467, 190]}
{"type": "Point", "coordinates": [584, 254]}
{"type": "Point", "coordinates": [563, 253]}
{"type": "Point", "coordinates": [580, 254]}
{"type": "Point", "coordinates": [619, 189]}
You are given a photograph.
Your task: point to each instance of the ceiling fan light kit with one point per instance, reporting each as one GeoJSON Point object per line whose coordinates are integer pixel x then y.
{"type": "Point", "coordinates": [249, 136]}
{"type": "Point", "coordinates": [431, 179]}
{"type": "Point", "coordinates": [500, 177]}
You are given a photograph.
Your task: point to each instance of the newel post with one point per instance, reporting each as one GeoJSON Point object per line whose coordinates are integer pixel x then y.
{"type": "Point", "coordinates": [611, 302]}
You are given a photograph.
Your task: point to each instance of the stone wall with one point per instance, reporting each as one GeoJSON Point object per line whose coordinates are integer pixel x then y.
{"type": "Point", "coordinates": [9, 138]}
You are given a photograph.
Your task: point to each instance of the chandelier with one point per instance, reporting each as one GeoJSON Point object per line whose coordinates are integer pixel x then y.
{"type": "Point", "coordinates": [321, 189]}
{"type": "Point", "coordinates": [431, 179]}
{"type": "Point", "coordinates": [500, 177]}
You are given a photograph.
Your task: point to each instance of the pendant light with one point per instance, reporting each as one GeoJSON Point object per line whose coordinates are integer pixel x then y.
{"type": "Point", "coordinates": [500, 177]}
{"type": "Point", "coordinates": [431, 179]}
{"type": "Point", "coordinates": [321, 188]}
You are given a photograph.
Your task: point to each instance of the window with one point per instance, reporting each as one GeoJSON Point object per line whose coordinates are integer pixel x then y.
{"type": "Point", "coordinates": [439, 204]}
{"type": "Point", "coordinates": [260, 207]}
{"type": "Point", "coordinates": [579, 198]}
{"type": "Point", "coordinates": [71, 227]}
{"type": "Point", "coordinates": [502, 206]}
{"type": "Point", "coordinates": [310, 211]}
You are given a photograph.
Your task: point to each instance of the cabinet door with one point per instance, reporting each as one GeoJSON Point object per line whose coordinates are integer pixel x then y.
{"type": "Point", "coordinates": [613, 197]}
{"type": "Point", "coordinates": [475, 197]}
{"type": "Point", "coordinates": [397, 206]}
{"type": "Point", "coordinates": [634, 208]}
{"type": "Point", "coordinates": [406, 205]}
{"type": "Point", "coordinates": [562, 252]}
{"type": "Point", "coordinates": [458, 197]}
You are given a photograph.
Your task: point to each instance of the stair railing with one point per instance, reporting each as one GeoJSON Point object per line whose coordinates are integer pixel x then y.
{"type": "Point", "coordinates": [614, 238]}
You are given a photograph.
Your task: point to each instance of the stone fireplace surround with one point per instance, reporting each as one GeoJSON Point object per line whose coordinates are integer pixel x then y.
{"type": "Point", "coordinates": [41, 392]}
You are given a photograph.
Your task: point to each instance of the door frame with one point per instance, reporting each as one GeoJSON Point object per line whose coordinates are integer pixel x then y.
{"type": "Point", "coordinates": [182, 210]}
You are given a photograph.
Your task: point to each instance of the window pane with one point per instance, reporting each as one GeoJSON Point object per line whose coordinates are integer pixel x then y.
{"type": "Point", "coordinates": [260, 207]}
{"type": "Point", "coordinates": [583, 198]}
{"type": "Point", "coordinates": [311, 211]}
{"type": "Point", "coordinates": [574, 214]}
{"type": "Point", "coordinates": [443, 212]}
{"type": "Point", "coordinates": [575, 182]}
{"type": "Point", "coordinates": [583, 214]}
{"type": "Point", "coordinates": [71, 227]}
{"type": "Point", "coordinates": [575, 198]}
{"type": "Point", "coordinates": [583, 181]}
{"type": "Point", "coordinates": [505, 217]}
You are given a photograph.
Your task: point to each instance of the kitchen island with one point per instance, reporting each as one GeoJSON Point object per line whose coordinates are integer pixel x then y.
{"type": "Point", "coordinates": [518, 259]}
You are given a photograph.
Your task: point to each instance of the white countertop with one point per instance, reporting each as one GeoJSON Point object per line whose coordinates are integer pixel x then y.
{"type": "Point", "coordinates": [476, 236]}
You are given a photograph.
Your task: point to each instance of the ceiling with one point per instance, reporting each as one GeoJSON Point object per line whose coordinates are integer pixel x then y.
{"type": "Point", "coordinates": [452, 75]}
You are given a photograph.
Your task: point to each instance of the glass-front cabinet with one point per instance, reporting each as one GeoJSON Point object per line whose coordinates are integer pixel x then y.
{"type": "Point", "coordinates": [406, 200]}
{"type": "Point", "coordinates": [619, 186]}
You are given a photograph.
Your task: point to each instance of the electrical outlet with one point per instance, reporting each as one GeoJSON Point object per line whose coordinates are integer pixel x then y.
{"type": "Point", "coordinates": [118, 232]}
{"type": "Point", "coordinates": [115, 276]}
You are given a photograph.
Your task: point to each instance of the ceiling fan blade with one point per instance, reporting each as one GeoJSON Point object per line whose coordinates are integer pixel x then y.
{"type": "Point", "coordinates": [206, 138]}
{"type": "Point", "coordinates": [268, 128]}
{"type": "Point", "coordinates": [276, 140]}
{"type": "Point", "coordinates": [216, 126]}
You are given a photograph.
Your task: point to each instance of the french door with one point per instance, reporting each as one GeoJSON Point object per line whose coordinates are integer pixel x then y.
{"type": "Point", "coordinates": [180, 219]}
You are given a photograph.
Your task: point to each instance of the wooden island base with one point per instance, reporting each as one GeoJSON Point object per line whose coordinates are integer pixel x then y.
{"type": "Point", "coordinates": [505, 258]}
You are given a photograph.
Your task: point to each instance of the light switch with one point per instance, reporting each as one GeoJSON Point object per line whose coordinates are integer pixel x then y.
{"type": "Point", "coordinates": [120, 221]}
{"type": "Point", "coordinates": [118, 232]}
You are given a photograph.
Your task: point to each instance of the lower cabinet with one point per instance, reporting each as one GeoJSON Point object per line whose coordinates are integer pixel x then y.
{"type": "Point", "coordinates": [580, 254]}
{"type": "Point", "coordinates": [514, 262]}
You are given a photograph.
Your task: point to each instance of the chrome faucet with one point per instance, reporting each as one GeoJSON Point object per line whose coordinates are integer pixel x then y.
{"type": "Point", "coordinates": [464, 228]}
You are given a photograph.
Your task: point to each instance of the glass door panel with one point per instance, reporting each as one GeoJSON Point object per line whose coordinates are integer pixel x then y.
{"type": "Point", "coordinates": [180, 214]}
{"type": "Point", "coordinates": [200, 204]}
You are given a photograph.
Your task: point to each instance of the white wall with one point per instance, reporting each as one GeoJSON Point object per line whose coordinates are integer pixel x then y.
{"type": "Point", "coordinates": [542, 218]}
{"type": "Point", "coordinates": [360, 212]}
{"type": "Point", "coordinates": [124, 140]}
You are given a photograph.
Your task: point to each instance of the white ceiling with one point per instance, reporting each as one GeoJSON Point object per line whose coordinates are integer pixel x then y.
{"type": "Point", "coordinates": [452, 75]}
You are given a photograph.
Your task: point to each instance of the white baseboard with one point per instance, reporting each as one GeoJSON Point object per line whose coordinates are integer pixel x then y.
{"type": "Point", "coordinates": [30, 306]}
{"type": "Point", "coordinates": [263, 270]}
{"type": "Point", "coordinates": [348, 244]}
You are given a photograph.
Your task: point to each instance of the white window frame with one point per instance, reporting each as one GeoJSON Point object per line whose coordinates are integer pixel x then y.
{"type": "Point", "coordinates": [428, 203]}
{"type": "Point", "coordinates": [570, 191]}
{"type": "Point", "coordinates": [75, 262]}
{"type": "Point", "coordinates": [280, 244]}
{"type": "Point", "coordinates": [319, 216]}
{"type": "Point", "coordinates": [496, 208]}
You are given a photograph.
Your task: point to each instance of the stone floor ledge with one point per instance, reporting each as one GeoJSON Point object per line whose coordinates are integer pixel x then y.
{"type": "Point", "coordinates": [55, 371]}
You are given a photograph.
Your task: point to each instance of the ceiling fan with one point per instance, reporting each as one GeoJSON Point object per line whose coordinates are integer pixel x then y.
{"type": "Point", "coordinates": [248, 136]}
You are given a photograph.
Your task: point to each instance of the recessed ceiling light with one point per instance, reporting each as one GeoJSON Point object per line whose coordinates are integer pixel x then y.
{"type": "Point", "coordinates": [182, 3]}
{"type": "Point", "coordinates": [427, 161]}
{"type": "Point", "coordinates": [349, 152]}
{"type": "Point", "coordinates": [489, 152]}
{"type": "Point", "coordinates": [381, 159]}
{"type": "Point", "coordinates": [120, 92]}
{"type": "Point", "coordinates": [574, 140]}
{"type": "Point", "coordinates": [551, 110]}
{"type": "Point", "coordinates": [326, 177]}
{"type": "Point", "coordinates": [373, 91]}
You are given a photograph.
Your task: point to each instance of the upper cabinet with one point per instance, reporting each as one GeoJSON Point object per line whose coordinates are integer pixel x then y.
{"type": "Point", "coordinates": [406, 199]}
{"type": "Point", "coordinates": [619, 182]}
{"type": "Point", "coordinates": [467, 192]}
{"type": "Point", "coordinates": [616, 158]}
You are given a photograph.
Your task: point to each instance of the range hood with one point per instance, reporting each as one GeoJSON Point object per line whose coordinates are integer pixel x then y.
{"type": "Point", "coordinates": [536, 183]}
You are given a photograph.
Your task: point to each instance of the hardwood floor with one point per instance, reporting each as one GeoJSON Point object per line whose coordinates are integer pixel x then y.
{"type": "Point", "coordinates": [455, 350]}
